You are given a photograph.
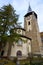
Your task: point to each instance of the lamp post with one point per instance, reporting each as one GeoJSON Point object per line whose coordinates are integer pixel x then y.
{"type": "Point", "coordinates": [18, 62]}
{"type": "Point", "coordinates": [30, 53]}
{"type": "Point", "coordinates": [30, 58]}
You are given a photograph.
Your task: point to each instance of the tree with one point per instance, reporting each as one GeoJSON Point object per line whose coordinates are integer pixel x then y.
{"type": "Point", "coordinates": [8, 25]}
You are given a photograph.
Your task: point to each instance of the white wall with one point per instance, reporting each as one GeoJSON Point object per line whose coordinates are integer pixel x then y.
{"type": "Point", "coordinates": [23, 48]}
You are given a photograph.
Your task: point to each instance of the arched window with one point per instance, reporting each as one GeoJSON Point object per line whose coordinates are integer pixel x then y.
{"type": "Point", "coordinates": [29, 23]}
{"type": "Point", "coordinates": [20, 42]}
{"type": "Point", "coordinates": [19, 53]}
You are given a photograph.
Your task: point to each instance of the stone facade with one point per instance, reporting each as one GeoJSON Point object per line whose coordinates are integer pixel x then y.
{"type": "Point", "coordinates": [32, 31]}
{"type": "Point", "coordinates": [22, 48]}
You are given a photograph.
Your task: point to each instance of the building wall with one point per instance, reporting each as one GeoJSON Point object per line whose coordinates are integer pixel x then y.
{"type": "Point", "coordinates": [41, 35]}
{"type": "Point", "coordinates": [33, 33]}
{"type": "Point", "coordinates": [25, 48]}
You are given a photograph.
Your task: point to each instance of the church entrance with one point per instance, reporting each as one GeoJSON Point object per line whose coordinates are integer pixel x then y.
{"type": "Point", "coordinates": [19, 53]}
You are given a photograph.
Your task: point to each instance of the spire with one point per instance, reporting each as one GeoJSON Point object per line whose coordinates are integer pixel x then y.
{"type": "Point", "coordinates": [29, 9]}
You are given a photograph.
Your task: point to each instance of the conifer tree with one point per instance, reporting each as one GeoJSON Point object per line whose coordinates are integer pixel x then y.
{"type": "Point", "coordinates": [8, 25]}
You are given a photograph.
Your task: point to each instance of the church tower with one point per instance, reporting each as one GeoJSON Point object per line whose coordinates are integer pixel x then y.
{"type": "Point", "coordinates": [32, 30]}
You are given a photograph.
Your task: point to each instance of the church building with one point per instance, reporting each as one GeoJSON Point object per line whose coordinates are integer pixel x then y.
{"type": "Point", "coordinates": [31, 34]}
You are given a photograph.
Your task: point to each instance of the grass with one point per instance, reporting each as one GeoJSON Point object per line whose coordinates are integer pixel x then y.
{"type": "Point", "coordinates": [6, 62]}
{"type": "Point", "coordinates": [22, 62]}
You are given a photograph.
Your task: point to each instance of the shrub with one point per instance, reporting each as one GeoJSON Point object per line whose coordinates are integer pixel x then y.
{"type": "Point", "coordinates": [26, 64]}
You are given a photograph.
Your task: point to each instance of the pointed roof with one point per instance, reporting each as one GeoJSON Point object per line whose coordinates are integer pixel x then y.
{"type": "Point", "coordinates": [29, 12]}
{"type": "Point", "coordinates": [29, 9]}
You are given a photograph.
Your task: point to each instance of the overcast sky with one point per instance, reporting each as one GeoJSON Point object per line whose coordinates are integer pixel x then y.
{"type": "Point", "coordinates": [21, 7]}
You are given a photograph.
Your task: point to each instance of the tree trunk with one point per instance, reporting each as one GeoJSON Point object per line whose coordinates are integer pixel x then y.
{"type": "Point", "coordinates": [9, 50]}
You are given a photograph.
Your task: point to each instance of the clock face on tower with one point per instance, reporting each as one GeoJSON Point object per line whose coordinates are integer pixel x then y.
{"type": "Point", "coordinates": [28, 18]}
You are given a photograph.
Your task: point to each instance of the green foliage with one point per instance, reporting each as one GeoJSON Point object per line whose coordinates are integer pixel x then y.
{"type": "Point", "coordinates": [8, 25]}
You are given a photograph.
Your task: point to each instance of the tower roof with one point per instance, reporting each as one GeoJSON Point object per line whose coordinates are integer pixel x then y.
{"type": "Point", "coordinates": [29, 9]}
{"type": "Point", "coordinates": [30, 12]}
